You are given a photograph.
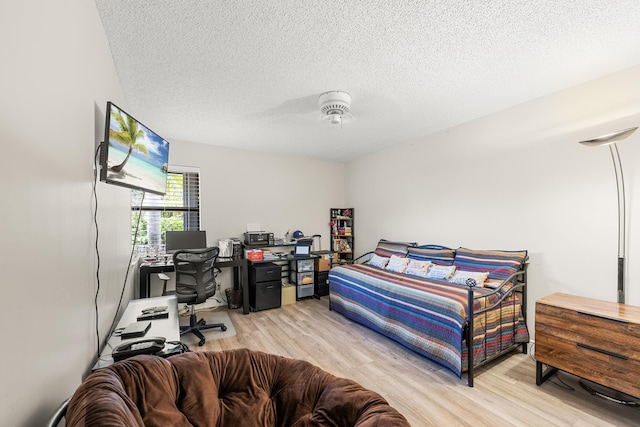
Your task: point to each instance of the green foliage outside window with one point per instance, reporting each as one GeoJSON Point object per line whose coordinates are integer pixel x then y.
{"type": "Point", "coordinates": [155, 205]}
{"type": "Point", "coordinates": [171, 221]}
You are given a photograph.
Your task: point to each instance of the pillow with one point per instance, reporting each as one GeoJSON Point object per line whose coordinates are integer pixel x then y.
{"type": "Point", "coordinates": [441, 272]}
{"type": "Point", "coordinates": [436, 254]}
{"type": "Point", "coordinates": [378, 261]}
{"type": "Point", "coordinates": [397, 264]}
{"type": "Point", "coordinates": [492, 283]}
{"type": "Point", "coordinates": [460, 277]}
{"type": "Point", "coordinates": [387, 248]}
{"type": "Point", "coordinates": [499, 264]}
{"type": "Point", "coordinates": [417, 267]}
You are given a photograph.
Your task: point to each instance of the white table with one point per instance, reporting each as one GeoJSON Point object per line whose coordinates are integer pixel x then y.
{"type": "Point", "coordinates": [168, 327]}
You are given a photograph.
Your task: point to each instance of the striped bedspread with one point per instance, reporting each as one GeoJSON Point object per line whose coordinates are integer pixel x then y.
{"type": "Point", "coordinates": [426, 316]}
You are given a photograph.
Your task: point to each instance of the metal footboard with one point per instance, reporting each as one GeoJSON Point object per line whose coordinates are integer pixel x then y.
{"type": "Point", "coordinates": [519, 280]}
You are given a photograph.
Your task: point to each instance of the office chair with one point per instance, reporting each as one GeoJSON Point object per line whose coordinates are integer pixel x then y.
{"type": "Point", "coordinates": [195, 282]}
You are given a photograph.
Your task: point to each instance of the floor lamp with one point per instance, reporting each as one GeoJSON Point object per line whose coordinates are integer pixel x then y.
{"type": "Point", "coordinates": [610, 140]}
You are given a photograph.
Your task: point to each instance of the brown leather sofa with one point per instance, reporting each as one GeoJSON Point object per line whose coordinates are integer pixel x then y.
{"type": "Point", "coordinates": [229, 388]}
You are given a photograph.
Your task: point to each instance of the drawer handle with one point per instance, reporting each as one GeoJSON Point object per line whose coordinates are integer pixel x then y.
{"type": "Point", "coordinates": [615, 319]}
{"type": "Point", "coordinates": [599, 350]}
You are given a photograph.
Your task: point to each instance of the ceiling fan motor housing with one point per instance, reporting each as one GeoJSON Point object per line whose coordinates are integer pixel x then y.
{"type": "Point", "coordinates": [335, 102]}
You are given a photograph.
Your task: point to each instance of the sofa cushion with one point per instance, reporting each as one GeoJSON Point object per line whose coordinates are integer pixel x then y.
{"type": "Point", "coordinates": [386, 248]}
{"type": "Point", "coordinates": [227, 388]}
{"type": "Point", "coordinates": [436, 254]}
{"type": "Point", "coordinates": [499, 264]}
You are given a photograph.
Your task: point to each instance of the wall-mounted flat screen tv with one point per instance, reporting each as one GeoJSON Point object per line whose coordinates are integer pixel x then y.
{"type": "Point", "coordinates": [133, 156]}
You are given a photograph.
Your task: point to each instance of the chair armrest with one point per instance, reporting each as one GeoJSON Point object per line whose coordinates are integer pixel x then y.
{"type": "Point", "coordinates": [59, 414]}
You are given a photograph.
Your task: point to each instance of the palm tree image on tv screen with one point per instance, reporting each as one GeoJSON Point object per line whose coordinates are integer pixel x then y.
{"type": "Point", "coordinates": [137, 157]}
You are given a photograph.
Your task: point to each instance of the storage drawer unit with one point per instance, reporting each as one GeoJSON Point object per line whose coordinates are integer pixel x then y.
{"type": "Point", "coordinates": [595, 340]}
{"type": "Point", "coordinates": [265, 286]}
{"type": "Point", "coordinates": [301, 278]}
{"type": "Point", "coordinates": [303, 265]}
{"type": "Point", "coordinates": [301, 274]}
{"type": "Point", "coordinates": [264, 272]}
{"type": "Point", "coordinates": [321, 283]}
{"type": "Point", "coordinates": [304, 291]}
{"type": "Point", "coordinates": [265, 295]}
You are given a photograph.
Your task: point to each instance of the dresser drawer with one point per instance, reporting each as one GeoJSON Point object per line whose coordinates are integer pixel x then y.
{"type": "Point", "coordinates": [591, 330]}
{"type": "Point", "coordinates": [594, 363]}
{"type": "Point", "coordinates": [264, 272]}
{"type": "Point", "coordinates": [265, 295]}
{"type": "Point", "coordinates": [302, 265]}
{"type": "Point", "coordinates": [301, 278]}
{"type": "Point", "coordinates": [593, 339]}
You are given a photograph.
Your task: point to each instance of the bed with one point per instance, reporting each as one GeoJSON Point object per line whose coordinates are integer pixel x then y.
{"type": "Point", "coordinates": [435, 317]}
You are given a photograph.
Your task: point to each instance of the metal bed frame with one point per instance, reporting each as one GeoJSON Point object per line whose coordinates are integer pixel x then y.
{"type": "Point", "coordinates": [519, 279]}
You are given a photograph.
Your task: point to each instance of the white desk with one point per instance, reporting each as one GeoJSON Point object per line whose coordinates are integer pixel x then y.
{"type": "Point", "coordinates": [169, 327]}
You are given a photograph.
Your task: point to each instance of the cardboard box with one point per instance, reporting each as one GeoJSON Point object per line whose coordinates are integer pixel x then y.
{"type": "Point", "coordinates": [288, 294]}
{"type": "Point", "coordinates": [323, 262]}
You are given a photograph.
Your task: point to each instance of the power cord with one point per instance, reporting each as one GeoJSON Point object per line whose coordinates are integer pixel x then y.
{"type": "Point", "coordinates": [186, 311]}
{"type": "Point", "coordinates": [95, 222]}
{"type": "Point", "coordinates": [531, 351]}
{"type": "Point", "coordinates": [126, 276]}
{"type": "Point", "coordinates": [563, 384]}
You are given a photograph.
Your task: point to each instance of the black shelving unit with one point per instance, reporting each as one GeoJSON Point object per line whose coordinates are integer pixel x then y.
{"type": "Point", "coordinates": [342, 233]}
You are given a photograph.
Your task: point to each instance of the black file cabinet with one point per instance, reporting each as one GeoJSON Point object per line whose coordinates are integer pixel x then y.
{"type": "Point", "coordinates": [265, 286]}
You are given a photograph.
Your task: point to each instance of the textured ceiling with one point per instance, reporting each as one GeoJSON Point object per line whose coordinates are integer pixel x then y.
{"type": "Point", "coordinates": [248, 73]}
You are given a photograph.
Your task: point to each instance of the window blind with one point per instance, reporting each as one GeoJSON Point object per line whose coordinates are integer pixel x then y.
{"type": "Point", "coordinates": [177, 210]}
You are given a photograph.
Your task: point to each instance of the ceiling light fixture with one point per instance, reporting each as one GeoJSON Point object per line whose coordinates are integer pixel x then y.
{"type": "Point", "coordinates": [335, 105]}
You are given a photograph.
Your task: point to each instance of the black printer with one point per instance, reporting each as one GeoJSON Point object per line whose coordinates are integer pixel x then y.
{"type": "Point", "coordinates": [258, 238]}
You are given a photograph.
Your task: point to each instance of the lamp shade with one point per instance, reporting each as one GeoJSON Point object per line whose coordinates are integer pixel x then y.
{"type": "Point", "coordinates": [609, 138]}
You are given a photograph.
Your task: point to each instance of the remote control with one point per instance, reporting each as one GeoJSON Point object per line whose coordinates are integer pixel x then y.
{"type": "Point", "coordinates": [156, 309]}
{"type": "Point", "coordinates": [154, 315]}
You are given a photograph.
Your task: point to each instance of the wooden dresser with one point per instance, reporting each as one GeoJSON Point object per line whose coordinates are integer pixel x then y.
{"type": "Point", "coordinates": [593, 339]}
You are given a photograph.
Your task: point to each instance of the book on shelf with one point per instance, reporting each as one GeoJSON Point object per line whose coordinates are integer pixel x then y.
{"type": "Point", "coordinates": [342, 245]}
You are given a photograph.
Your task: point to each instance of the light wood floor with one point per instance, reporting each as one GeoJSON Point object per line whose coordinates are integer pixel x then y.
{"type": "Point", "coordinates": [504, 393]}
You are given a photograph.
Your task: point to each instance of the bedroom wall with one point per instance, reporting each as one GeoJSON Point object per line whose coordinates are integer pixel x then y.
{"type": "Point", "coordinates": [517, 179]}
{"type": "Point", "coordinates": [279, 192]}
{"type": "Point", "coordinates": [55, 82]}
{"type": "Point", "coordinates": [56, 78]}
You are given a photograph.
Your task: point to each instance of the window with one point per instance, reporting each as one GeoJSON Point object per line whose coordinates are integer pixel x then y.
{"type": "Point", "coordinates": [177, 210]}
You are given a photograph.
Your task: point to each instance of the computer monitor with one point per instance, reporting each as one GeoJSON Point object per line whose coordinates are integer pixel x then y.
{"type": "Point", "coordinates": [177, 240]}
